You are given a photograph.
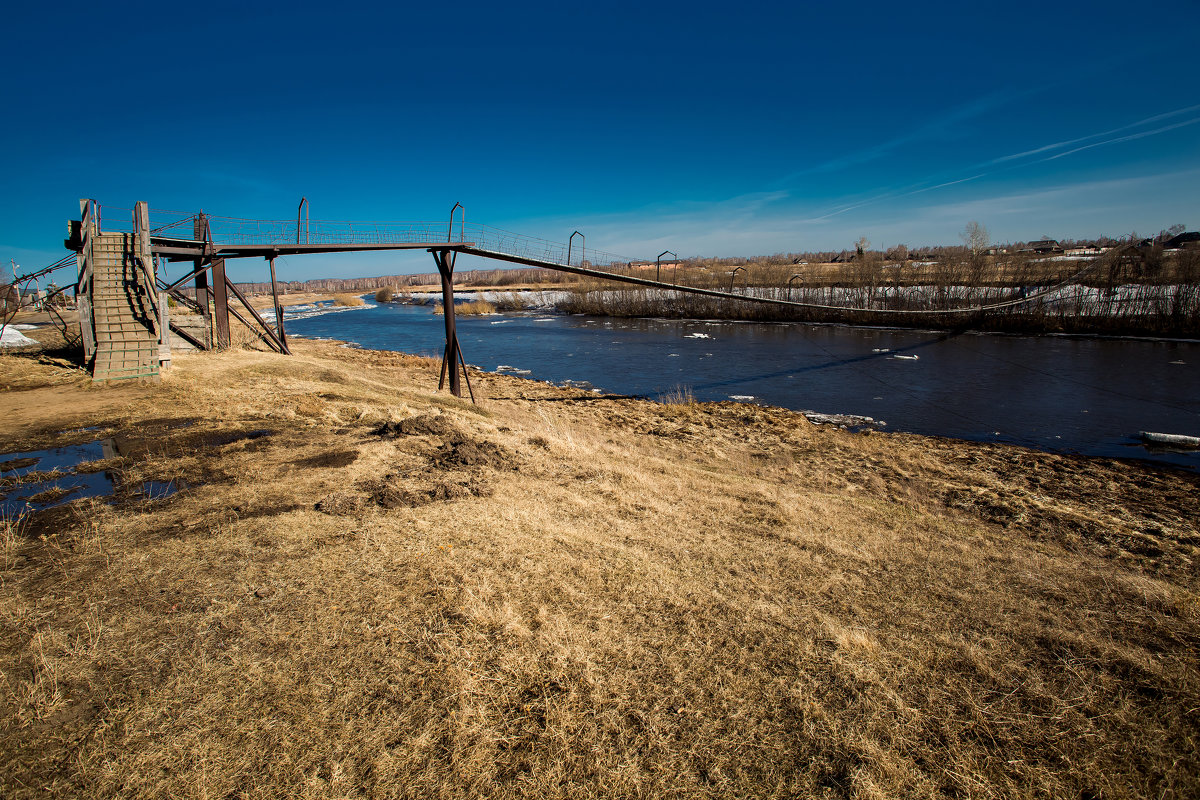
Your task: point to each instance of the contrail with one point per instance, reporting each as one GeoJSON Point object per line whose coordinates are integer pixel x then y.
{"type": "Point", "coordinates": [1069, 142]}
{"type": "Point", "coordinates": [1128, 138]}
{"type": "Point", "coordinates": [893, 193]}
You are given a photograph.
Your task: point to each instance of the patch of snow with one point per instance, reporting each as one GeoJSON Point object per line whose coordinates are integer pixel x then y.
{"type": "Point", "coordinates": [14, 338]}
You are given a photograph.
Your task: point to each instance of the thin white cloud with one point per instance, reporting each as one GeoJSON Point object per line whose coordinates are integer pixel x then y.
{"type": "Point", "coordinates": [742, 226]}
{"type": "Point", "coordinates": [1119, 139]}
{"type": "Point", "coordinates": [934, 129]}
{"type": "Point", "coordinates": [891, 194]}
{"type": "Point", "coordinates": [1069, 142]}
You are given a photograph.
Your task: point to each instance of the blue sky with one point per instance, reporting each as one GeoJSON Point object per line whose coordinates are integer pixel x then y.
{"type": "Point", "coordinates": [706, 129]}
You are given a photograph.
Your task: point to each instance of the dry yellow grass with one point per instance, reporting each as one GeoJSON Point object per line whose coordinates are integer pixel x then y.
{"type": "Point", "coordinates": [347, 300]}
{"type": "Point", "coordinates": [554, 595]}
{"type": "Point", "coordinates": [474, 308]}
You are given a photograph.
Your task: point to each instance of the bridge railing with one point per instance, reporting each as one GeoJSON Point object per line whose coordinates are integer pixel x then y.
{"type": "Point", "coordinates": [236, 230]}
{"type": "Point", "coordinates": [232, 230]}
{"type": "Point", "coordinates": [505, 242]}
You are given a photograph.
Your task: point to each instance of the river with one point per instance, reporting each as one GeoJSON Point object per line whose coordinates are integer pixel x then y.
{"type": "Point", "coordinates": [1085, 395]}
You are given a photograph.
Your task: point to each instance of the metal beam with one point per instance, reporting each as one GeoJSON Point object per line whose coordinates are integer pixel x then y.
{"type": "Point", "coordinates": [273, 340]}
{"type": "Point", "coordinates": [278, 308]}
{"type": "Point", "coordinates": [452, 356]}
{"type": "Point", "coordinates": [184, 249]}
{"type": "Point", "coordinates": [220, 303]}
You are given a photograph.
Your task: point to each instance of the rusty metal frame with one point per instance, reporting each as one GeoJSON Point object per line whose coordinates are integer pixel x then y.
{"type": "Point", "coordinates": [733, 276]}
{"type": "Point", "coordinates": [220, 303]}
{"type": "Point", "coordinates": [278, 308]}
{"type": "Point", "coordinates": [278, 345]}
{"type": "Point", "coordinates": [658, 263]}
{"type": "Point", "coordinates": [462, 225]}
{"type": "Point", "coordinates": [302, 210]}
{"type": "Point", "coordinates": [583, 244]}
{"type": "Point", "coordinates": [452, 358]}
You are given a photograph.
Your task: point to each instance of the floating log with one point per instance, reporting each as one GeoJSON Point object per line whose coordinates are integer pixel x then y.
{"type": "Point", "coordinates": [850, 420]}
{"type": "Point", "coordinates": [1173, 439]}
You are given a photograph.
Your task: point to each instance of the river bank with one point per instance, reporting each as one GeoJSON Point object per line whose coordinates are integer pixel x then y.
{"type": "Point", "coordinates": [1087, 395]}
{"type": "Point", "coordinates": [1133, 311]}
{"type": "Point", "coordinates": [554, 593]}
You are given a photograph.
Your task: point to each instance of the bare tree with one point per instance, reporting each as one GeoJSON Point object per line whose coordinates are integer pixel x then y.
{"type": "Point", "coordinates": [975, 237]}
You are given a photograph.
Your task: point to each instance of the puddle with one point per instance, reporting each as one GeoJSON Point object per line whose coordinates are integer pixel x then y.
{"type": "Point", "coordinates": [39, 479]}
{"type": "Point", "coordinates": [61, 482]}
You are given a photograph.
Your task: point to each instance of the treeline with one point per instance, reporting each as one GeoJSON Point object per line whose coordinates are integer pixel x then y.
{"type": "Point", "coordinates": [1130, 291]}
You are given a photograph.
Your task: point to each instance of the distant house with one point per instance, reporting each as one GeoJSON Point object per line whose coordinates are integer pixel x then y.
{"type": "Point", "coordinates": [1189, 239]}
{"type": "Point", "coordinates": [1044, 246]}
{"type": "Point", "coordinates": [1082, 250]}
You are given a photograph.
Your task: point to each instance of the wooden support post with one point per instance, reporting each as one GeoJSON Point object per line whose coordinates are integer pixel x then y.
{"type": "Point", "coordinates": [83, 288]}
{"type": "Point", "coordinates": [220, 304]}
{"type": "Point", "coordinates": [164, 331]}
{"type": "Point", "coordinates": [200, 233]}
{"type": "Point", "coordinates": [278, 309]}
{"type": "Point", "coordinates": [143, 259]}
{"type": "Point", "coordinates": [450, 359]}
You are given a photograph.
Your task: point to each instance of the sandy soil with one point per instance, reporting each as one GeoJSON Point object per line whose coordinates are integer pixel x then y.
{"type": "Point", "coordinates": [365, 588]}
{"type": "Point", "coordinates": [260, 301]}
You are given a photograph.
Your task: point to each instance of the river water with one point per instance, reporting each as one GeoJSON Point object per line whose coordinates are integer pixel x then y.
{"type": "Point", "coordinates": [1083, 395]}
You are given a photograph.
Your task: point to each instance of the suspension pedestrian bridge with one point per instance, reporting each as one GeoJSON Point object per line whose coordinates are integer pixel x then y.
{"type": "Point", "coordinates": [123, 302]}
